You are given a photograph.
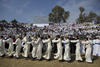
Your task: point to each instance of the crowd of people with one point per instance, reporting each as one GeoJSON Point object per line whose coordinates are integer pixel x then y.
{"type": "Point", "coordinates": [52, 41]}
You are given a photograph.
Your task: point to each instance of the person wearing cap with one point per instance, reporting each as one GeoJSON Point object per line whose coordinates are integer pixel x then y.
{"type": "Point", "coordinates": [67, 49]}
{"type": "Point", "coordinates": [47, 55]}
{"type": "Point", "coordinates": [18, 46]}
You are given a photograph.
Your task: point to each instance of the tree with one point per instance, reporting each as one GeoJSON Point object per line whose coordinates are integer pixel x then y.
{"type": "Point", "coordinates": [98, 19]}
{"type": "Point", "coordinates": [14, 22]}
{"type": "Point", "coordinates": [81, 9]}
{"type": "Point", "coordinates": [3, 21]}
{"type": "Point", "coordinates": [81, 17]}
{"type": "Point", "coordinates": [58, 14]}
{"type": "Point", "coordinates": [91, 16]}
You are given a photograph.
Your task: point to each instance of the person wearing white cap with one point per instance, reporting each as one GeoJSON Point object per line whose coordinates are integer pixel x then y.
{"type": "Point", "coordinates": [11, 46]}
{"type": "Point", "coordinates": [59, 48]}
{"type": "Point", "coordinates": [47, 55]}
{"type": "Point", "coordinates": [67, 48]}
{"type": "Point", "coordinates": [18, 46]}
{"type": "Point", "coordinates": [77, 52]}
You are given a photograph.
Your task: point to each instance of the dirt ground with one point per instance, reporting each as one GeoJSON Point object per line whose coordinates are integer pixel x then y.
{"type": "Point", "coordinates": [13, 62]}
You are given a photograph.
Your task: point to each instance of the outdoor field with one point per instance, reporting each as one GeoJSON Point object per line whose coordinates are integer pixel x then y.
{"type": "Point", "coordinates": [12, 62]}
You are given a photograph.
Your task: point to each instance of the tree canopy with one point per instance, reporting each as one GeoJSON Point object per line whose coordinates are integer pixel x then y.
{"type": "Point", "coordinates": [58, 14]}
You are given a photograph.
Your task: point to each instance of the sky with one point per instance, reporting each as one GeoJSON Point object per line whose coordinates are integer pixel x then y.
{"type": "Point", "coordinates": [27, 10]}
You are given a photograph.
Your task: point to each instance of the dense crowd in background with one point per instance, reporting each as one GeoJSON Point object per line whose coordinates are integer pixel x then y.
{"type": "Point", "coordinates": [54, 38]}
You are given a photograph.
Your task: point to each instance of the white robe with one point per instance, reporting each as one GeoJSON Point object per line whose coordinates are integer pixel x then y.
{"type": "Point", "coordinates": [88, 51]}
{"type": "Point", "coordinates": [2, 51]}
{"type": "Point", "coordinates": [59, 49]}
{"type": "Point", "coordinates": [96, 47]}
{"type": "Point", "coordinates": [49, 48]}
{"type": "Point", "coordinates": [77, 52]}
{"type": "Point", "coordinates": [39, 44]}
{"type": "Point", "coordinates": [11, 47]}
{"type": "Point", "coordinates": [18, 47]}
{"type": "Point", "coordinates": [67, 50]}
{"type": "Point", "coordinates": [26, 46]}
{"type": "Point", "coordinates": [34, 49]}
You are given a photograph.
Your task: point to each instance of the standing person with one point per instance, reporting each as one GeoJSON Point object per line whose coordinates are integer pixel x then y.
{"type": "Point", "coordinates": [88, 50]}
{"type": "Point", "coordinates": [2, 51]}
{"type": "Point", "coordinates": [34, 48]}
{"type": "Point", "coordinates": [77, 51]}
{"type": "Point", "coordinates": [26, 48]}
{"type": "Point", "coordinates": [39, 44]}
{"type": "Point", "coordinates": [96, 46]}
{"type": "Point", "coordinates": [47, 55]}
{"type": "Point", "coordinates": [67, 49]}
{"type": "Point", "coordinates": [59, 48]}
{"type": "Point", "coordinates": [11, 46]}
{"type": "Point", "coordinates": [18, 46]}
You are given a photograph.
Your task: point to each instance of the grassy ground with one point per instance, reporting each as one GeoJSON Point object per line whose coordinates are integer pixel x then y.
{"type": "Point", "coordinates": [12, 62]}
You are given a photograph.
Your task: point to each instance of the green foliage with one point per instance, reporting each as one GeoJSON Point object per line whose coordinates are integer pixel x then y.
{"type": "Point", "coordinates": [98, 19]}
{"type": "Point", "coordinates": [14, 22]}
{"type": "Point", "coordinates": [81, 17]}
{"type": "Point", "coordinates": [58, 14]}
{"type": "Point", "coordinates": [3, 21]}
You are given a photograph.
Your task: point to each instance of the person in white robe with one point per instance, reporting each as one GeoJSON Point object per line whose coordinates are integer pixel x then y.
{"type": "Point", "coordinates": [18, 46]}
{"type": "Point", "coordinates": [2, 50]}
{"type": "Point", "coordinates": [59, 48]}
{"type": "Point", "coordinates": [34, 48]}
{"type": "Point", "coordinates": [11, 46]}
{"type": "Point", "coordinates": [26, 46]}
{"type": "Point", "coordinates": [96, 46]}
{"type": "Point", "coordinates": [47, 55]}
{"type": "Point", "coordinates": [77, 51]}
{"type": "Point", "coordinates": [67, 48]}
{"type": "Point", "coordinates": [39, 44]}
{"type": "Point", "coordinates": [88, 54]}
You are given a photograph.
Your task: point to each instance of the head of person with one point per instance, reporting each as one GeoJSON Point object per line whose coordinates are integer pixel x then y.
{"type": "Point", "coordinates": [38, 36]}
{"type": "Point", "coordinates": [76, 37]}
{"type": "Point", "coordinates": [10, 36]}
{"type": "Point", "coordinates": [25, 34]}
{"type": "Point", "coordinates": [17, 36]}
{"type": "Point", "coordinates": [66, 37]}
{"type": "Point", "coordinates": [1, 37]}
{"type": "Point", "coordinates": [49, 36]}
{"type": "Point", "coordinates": [97, 37]}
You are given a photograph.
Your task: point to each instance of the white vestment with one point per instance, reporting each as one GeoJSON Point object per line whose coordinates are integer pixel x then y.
{"type": "Point", "coordinates": [39, 44]}
{"type": "Point", "coordinates": [49, 48]}
{"type": "Point", "coordinates": [67, 50]}
{"type": "Point", "coordinates": [88, 51]}
{"type": "Point", "coordinates": [96, 47]}
{"type": "Point", "coordinates": [11, 46]}
{"type": "Point", "coordinates": [26, 46]}
{"type": "Point", "coordinates": [77, 52]}
{"type": "Point", "coordinates": [18, 47]}
{"type": "Point", "coordinates": [59, 49]}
